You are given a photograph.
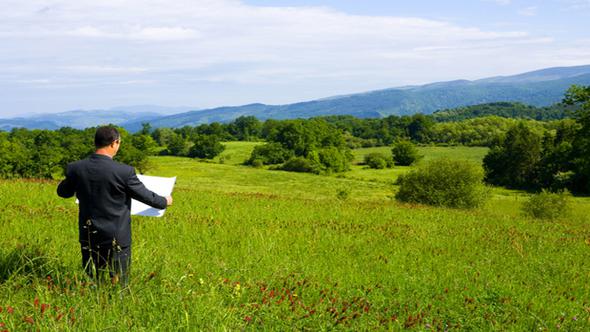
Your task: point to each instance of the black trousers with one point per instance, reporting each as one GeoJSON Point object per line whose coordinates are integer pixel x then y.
{"type": "Point", "coordinates": [97, 261]}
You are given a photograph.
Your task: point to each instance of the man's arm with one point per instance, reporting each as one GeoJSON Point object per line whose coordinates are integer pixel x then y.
{"type": "Point", "coordinates": [67, 188]}
{"type": "Point", "coordinates": [138, 191]}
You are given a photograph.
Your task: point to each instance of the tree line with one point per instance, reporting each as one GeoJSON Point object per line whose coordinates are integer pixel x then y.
{"type": "Point", "coordinates": [525, 153]}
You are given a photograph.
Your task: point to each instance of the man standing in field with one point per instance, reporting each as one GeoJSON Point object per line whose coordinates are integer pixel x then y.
{"type": "Point", "coordinates": [104, 189]}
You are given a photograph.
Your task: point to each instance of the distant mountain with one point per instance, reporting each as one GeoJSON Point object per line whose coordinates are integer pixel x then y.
{"type": "Point", "coordinates": [89, 118]}
{"type": "Point", "coordinates": [537, 88]}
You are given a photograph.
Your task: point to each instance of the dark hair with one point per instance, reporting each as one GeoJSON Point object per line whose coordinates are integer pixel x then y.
{"type": "Point", "coordinates": [105, 136]}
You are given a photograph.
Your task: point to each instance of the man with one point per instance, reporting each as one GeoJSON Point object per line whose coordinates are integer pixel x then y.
{"type": "Point", "coordinates": [104, 189]}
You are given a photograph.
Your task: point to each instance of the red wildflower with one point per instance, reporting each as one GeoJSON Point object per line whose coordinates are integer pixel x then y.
{"type": "Point", "coordinates": [247, 319]}
{"type": "Point", "coordinates": [29, 319]}
{"type": "Point", "coordinates": [72, 316]}
{"type": "Point", "coordinates": [36, 302]}
{"type": "Point", "coordinates": [9, 309]}
{"type": "Point", "coordinates": [44, 307]}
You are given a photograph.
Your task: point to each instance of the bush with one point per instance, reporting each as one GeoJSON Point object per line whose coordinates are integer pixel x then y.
{"type": "Point", "coordinates": [547, 205]}
{"type": "Point", "coordinates": [206, 147]}
{"type": "Point", "coordinates": [334, 160]}
{"type": "Point", "coordinates": [300, 164]}
{"type": "Point", "coordinates": [269, 154]}
{"type": "Point", "coordinates": [378, 160]}
{"type": "Point", "coordinates": [444, 182]}
{"type": "Point", "coordinates": [405, 153]}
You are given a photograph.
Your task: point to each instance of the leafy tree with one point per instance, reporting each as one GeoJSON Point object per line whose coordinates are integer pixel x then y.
{"type": "Point", "coordinates": [419, 127]}
{"type": "Point", "coordinates": [162, 136]}
{"type": "Point", "coordinates": [580, 96]}
{"type": "Point", "coordinates": [246, 128]}
{"type": "Point", "coordinates": [514, 162]}
{"type": "Point", "coordinates": [146, 128]}
{"type": "Point", "coordinates": [177, 145]}
{"type": "Point", "coordinates": [144, 143]}
{"type": "Point", "coordinates": [206, 147]}
{"type": "Point", "coordinates": [405, 153]}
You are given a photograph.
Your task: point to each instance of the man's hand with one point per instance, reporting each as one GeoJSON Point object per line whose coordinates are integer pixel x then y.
{"type": "Point", "coordinates": [168, 200]}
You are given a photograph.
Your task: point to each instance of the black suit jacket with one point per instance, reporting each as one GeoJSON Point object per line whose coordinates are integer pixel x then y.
{"type": "Point", "coordinates": [105, 188]}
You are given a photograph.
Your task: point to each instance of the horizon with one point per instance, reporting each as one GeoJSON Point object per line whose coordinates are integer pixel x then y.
{"type": "Point", "coordinates": [215, 53]}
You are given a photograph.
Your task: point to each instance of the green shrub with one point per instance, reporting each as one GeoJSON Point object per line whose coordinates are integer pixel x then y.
{"type": "Point", "coordinates": [378, 160]}
{"type": "Point", "coordinates": [547, 205]}
{"type": "Point", "coordinates": [334, 160]}
{"type": "Point", "coordinates": [269, 154]}
{"type": "Point", "coordinates": [444, 182]}
{"type": "Point", "coordinates": [300, 164]}
{"type": "Point", "coordinates": [405, 153]}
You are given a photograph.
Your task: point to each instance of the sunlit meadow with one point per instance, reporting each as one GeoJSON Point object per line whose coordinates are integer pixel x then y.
{"type": "Point", "coordinates": [255, 249]}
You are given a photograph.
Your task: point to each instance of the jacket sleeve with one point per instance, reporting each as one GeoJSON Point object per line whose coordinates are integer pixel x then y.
{"type": "Point", "coordinates": [67, 187]}
{"type": "Point", "coordinates": [138, 191]}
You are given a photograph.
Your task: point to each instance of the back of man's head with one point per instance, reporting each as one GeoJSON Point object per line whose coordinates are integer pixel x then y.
{"type": "Point", "coordinates": [105, 136]}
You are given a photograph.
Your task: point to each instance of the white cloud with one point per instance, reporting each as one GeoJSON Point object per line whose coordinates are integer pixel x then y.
{"type": "Point", "coordinates": [500, 2]}
{"type": "Point", "coordinates": [137, 33]}
{"type": "Point", "coordinates": [528, 11]}
{"type": "Point", "coordinates": [315, 50]}
{"type": "Point", "coordinates": [577, 4]}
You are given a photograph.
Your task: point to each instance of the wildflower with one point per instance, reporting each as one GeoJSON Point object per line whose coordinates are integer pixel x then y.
{"type": "Point", "coordinates": [29, 319]}
{"type": "Point", "coordinates": [9, 309]}
{"type": "Point", "coordinates": [247, 319]}
{"type": "Point", "coordinates": [201, 281]}
{"type": "Point", "coordinates": [44, 307]}
{"type": "Point", "coordinates": [36, 303]}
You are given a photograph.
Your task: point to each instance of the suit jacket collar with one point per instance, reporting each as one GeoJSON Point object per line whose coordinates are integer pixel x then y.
{"type": "Point", "coordinates": [100, 156]}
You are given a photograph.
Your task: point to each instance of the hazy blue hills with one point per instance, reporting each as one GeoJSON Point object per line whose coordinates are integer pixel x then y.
{"type": "Point", "coordinates": [89, 118]}
{"type": "Point", "coordinates": [538, 88]}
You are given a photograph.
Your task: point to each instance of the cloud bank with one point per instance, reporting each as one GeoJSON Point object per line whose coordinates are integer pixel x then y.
{"type": "Point", "coordinates": [215, 52]}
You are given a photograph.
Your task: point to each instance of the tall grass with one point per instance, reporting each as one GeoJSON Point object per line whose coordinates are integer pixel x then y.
{"type": "Point", "coordinates": [245, 248]}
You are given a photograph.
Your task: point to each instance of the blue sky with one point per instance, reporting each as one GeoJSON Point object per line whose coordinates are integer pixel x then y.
{"type": "Point", "coordinates": [59, 55]}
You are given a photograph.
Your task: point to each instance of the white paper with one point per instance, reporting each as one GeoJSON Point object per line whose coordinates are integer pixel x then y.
{"type": "Point", "coordinates": [159, 185]}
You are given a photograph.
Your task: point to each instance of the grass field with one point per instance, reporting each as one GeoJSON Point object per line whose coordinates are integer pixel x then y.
{"type": "Point", "coordinates": [253, 249]}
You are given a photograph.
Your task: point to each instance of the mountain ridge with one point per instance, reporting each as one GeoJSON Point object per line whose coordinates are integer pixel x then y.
{"type": "Point", "coordinates": [539, 88]}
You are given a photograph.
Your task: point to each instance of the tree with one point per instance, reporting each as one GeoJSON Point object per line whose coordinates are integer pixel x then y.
{"type": "Point", "coordinates": [246, 128]}
{"type": "Point", "coordinates": [146, 128]}
{"type": "Point", "coordinates": [177, 145]}
{"type": "Point", "coordinates": [514, 162]}
{"type": "Point", "coordinates": [405, 153]}
{"type": "Point", "coordinates": [206, 147]}
{"type": "Point", "coordinates": [580, 96]}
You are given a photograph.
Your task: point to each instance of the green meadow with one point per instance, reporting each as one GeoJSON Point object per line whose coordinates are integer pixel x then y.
{"type": "Point", "coordinates": [253, 249]}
